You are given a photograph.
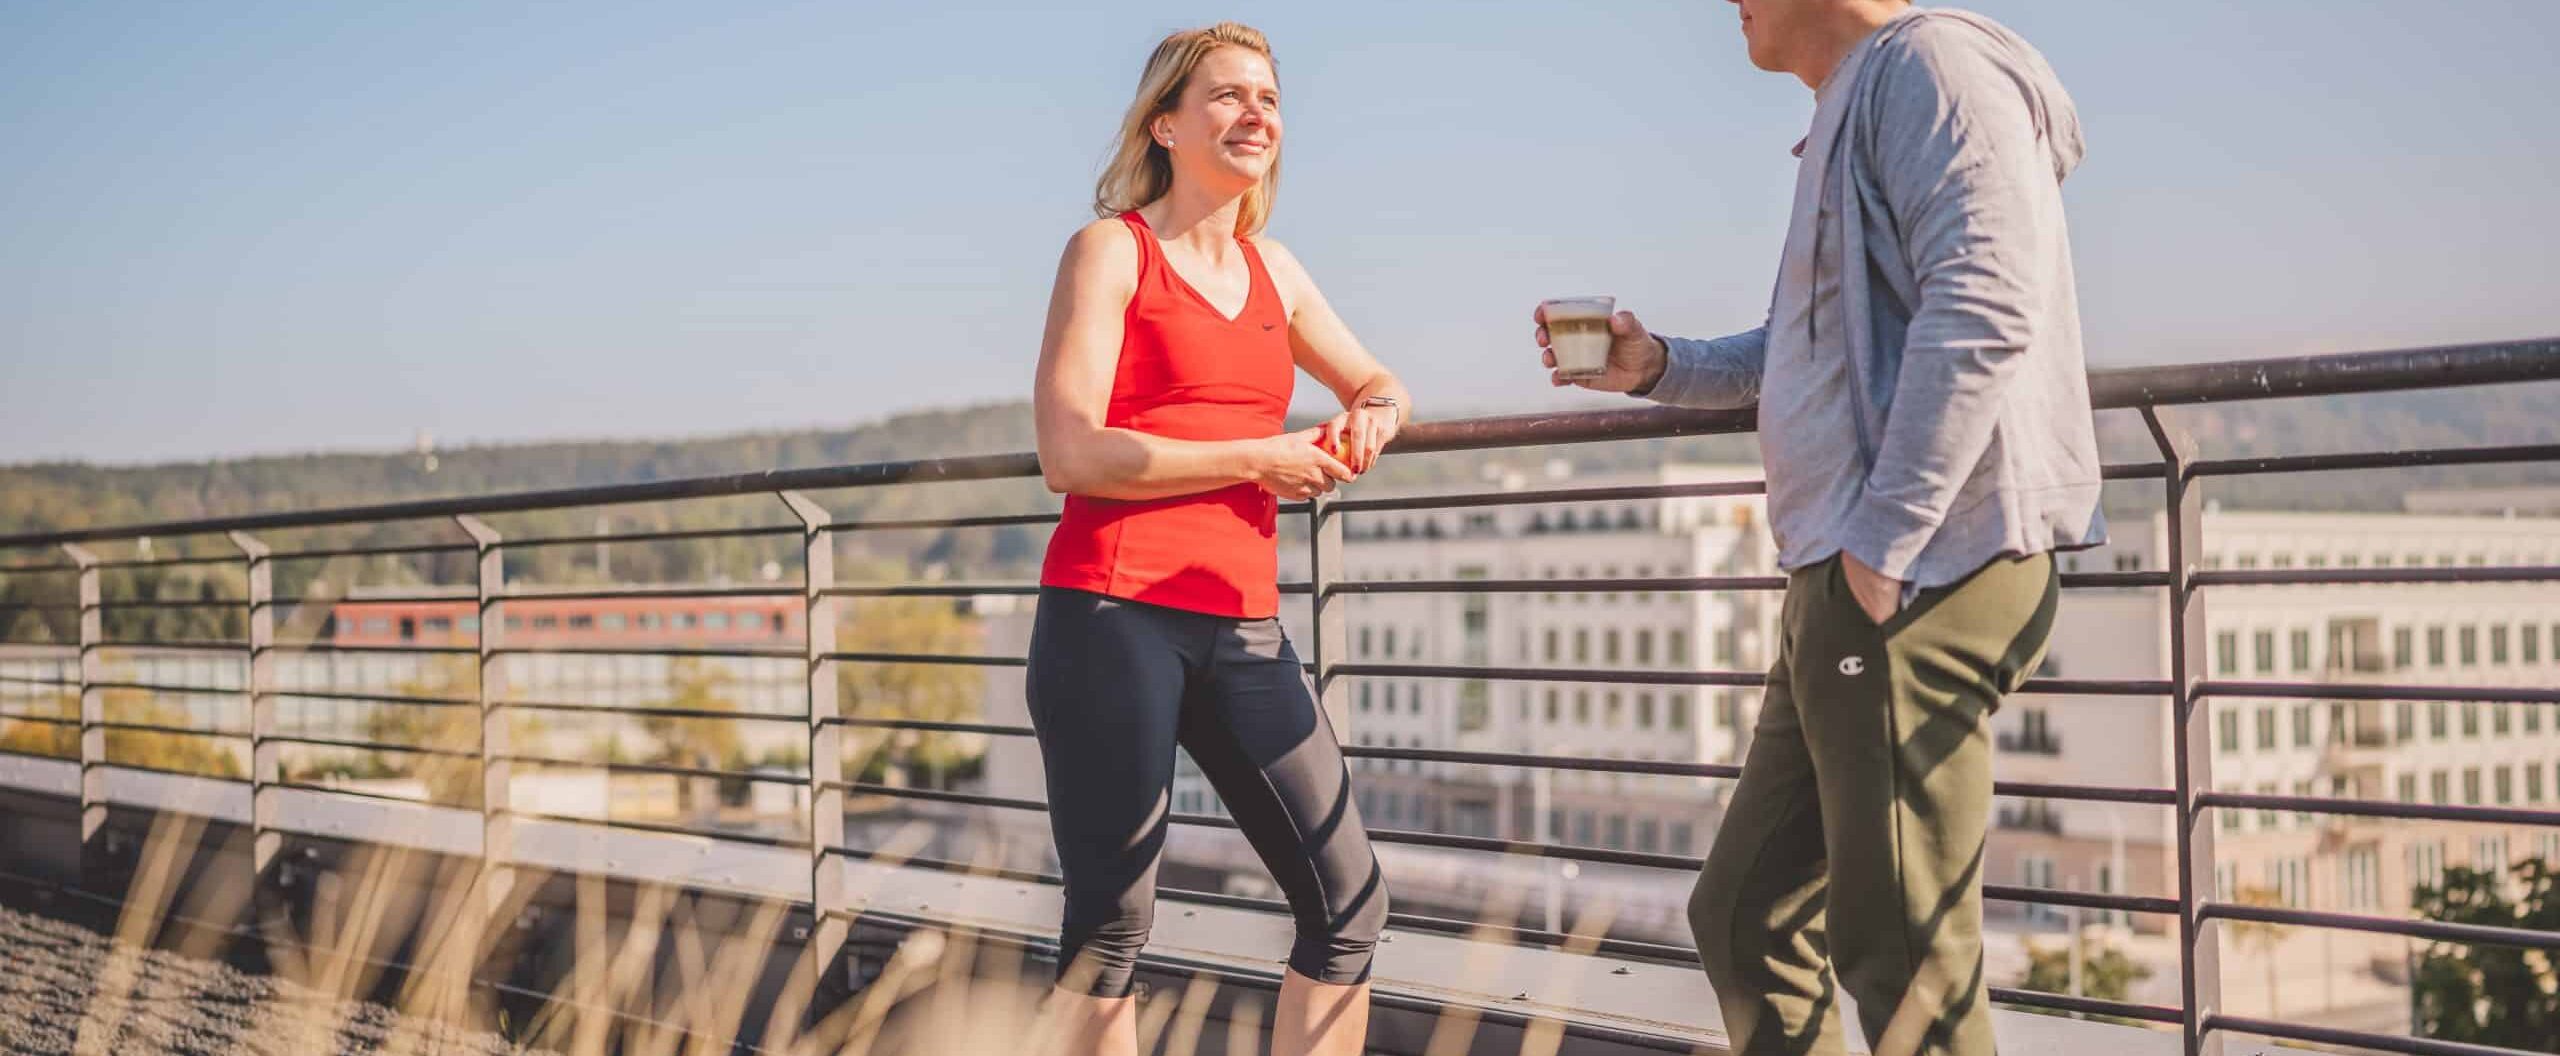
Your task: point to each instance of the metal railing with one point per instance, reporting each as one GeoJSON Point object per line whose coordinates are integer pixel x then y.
{"type": "Point", "coordinates": [2180, 471]}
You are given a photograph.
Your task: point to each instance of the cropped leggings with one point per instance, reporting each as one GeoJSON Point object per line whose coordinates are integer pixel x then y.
{"type": "Point", "coordinates": [1114, 685]}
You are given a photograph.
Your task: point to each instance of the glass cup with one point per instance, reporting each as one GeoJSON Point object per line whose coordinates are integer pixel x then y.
{"type": "Point", "coordinates": [1578, 333]}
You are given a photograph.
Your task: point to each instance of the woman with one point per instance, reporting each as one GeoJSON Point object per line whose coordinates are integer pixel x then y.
{"type": "Point", "coordinates": [1174, 334]}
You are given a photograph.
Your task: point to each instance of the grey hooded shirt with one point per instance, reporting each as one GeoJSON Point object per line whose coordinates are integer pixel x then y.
{"type": "Point", "coordinates": [1923, 402]}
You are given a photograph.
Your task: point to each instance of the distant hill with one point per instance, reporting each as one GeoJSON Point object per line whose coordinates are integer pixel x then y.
{"type": "Point", "coordinates": [59, 495]}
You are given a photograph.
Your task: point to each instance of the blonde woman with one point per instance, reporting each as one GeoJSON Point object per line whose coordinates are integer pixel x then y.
{"type": "Point", "coordinates": [1175, 333]}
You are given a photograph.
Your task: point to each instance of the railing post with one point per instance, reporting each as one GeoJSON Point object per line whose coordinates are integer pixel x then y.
{"type": "Point", "coordinates": [829, 923]}
{"type": "Point", "coordinates": [1332, 622]}
{"type": "Point", "coordinates": [2200, 946]}
{"type": "Point", "coordinates": [265, 759]}
{"type": "Point", "coordinates": [497, 775]}
{"type": "Point", "coordinates": [93, 737]}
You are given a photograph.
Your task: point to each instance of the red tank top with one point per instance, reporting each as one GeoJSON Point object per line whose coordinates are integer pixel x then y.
{"type": "Point", "coordinates": [1187, 373]}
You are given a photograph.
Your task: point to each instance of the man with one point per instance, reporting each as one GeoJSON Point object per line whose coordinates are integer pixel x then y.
{"type": "Point", "coordinates": [1925, 419]}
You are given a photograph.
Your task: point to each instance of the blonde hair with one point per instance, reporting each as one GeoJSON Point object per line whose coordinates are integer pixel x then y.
{"type": "Point", "coordinates": [1141, 170]}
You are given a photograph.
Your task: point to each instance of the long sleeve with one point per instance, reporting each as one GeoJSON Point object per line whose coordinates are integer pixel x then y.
{"type": "Point", "coordinates": [1718, 374]}
{"type": "Point", "coordinates": [1974, 195]}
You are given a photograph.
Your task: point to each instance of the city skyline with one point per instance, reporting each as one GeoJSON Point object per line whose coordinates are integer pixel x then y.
{"type": "Point", "coordinates": [260, 231]}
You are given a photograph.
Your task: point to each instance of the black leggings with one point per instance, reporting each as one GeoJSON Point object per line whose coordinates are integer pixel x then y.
{"type": "Point", "coordinates": [1114, 685]}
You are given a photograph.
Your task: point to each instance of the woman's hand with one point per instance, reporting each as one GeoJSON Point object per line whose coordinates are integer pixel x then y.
{"type": "Point", "coordinates": [1356, 436]}
{"type": "Point", "coordinates": [1296, 466]}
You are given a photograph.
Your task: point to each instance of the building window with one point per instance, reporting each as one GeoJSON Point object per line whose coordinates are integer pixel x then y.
{"type": "Point", "coordinates": [2470, 646]}
{"type": "Point", "coordinates": [2498, 644]}
{"type": "Point", "coordinates": [1609, 646]}
{"type": "Point", "coordinates": [1682, 838]}
{"type": "Point", "coordinates": [2226, 653]}
{"type": "Point", "coordinates": [1552, 716]}
{"type": "Point", "coordinates": [2404, 722]}
{"type": "Point", "coordinates": [1390, 635]}
{"type": "Point", "coordinates": [2471, 720]}
{"type": "Point", "coordinates": [2230, 817]}
{"type": "Point", "coordinates": [2533, 782]}
{"type": "Point", "coordinates": [2363, 878]}
{"type": "Point", "coordinates": [1610, 712]}
{"type": "Point", "coordinates": [2408, 788]}
{"type": "Point", "coordinates": [2435, 647]}
{"type": "Point", "coordinates": [2435, 720]}
{"type": "Point", "coordinates": [2302, 725]}
{"type": "Point", "coordinates": [2489, 853]}
{"type": "Point", "coordinates": [1552, 642]}
{"type": "Point", "coordinates": [2530, 638]}
{"type": "Point", "coordinates": [1364, 698]}
{"type": "Point", "coordinates": [1617, 832]}
{"type": "Point", "coordinates": [1644, 646]}
{"type": "Point", "coordinates": [1648, 835]}
{"type": "Point", "coordinates": [2498, 720]}
{"type": "Point", "coordinates": [715, 621]}
{"type": "Point", "coordinates": [2266, 727]}
{"type": "Point", "coordinates": [2504, 783]}
{"type": "Point", "coordinates": [1582, 707]}
{"type": "Point", "coordinates": [613, 621]}
{"type": "Point", "coordinates": [2299, 644]}
{"type": "Point", "coordinates": [1644, 711]}
{"type": "Point", "coordinates": [2471, 785]}
{"type": "Point", "coordinates": [2533, 720]}
{"type": "Point", "coordinates": [1582, 645]}
{"type": "Point", "coordinates": [2262, 648]}
{"type": "Point", "coordinates": [2267, 815]}
{"type": "Point", "coordinates": [2403, 647]}
{"type": "Point", "coordinates": [2439, 788]}
{"type": "Point", "coordinates": [2227, 730]}
{"type": "Point", "coordinates": [1678, 643]}
{"type": "Point", "coordinates": [582, 622]}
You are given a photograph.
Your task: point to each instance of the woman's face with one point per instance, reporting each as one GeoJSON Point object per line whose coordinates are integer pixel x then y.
{"type": "Point", "coordinates": [1225, 129]}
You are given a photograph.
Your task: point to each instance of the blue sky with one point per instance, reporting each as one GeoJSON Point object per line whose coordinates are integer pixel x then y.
{"type": "Point", "coordinates": [257, 228]}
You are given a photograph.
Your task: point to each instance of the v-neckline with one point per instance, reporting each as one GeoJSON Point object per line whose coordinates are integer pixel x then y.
{"type": "Point", "coordinates": [1194, 291]}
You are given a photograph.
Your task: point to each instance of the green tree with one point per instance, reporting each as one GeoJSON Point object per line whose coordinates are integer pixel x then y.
{"type": "Point", "coordinates": [208, 755]}
{"type": "Point", "coordinates": [2106, 973]}
{"type": "Point", "coordinates": [43, 738]}
{"type": "Point", "coordinates": [929, 692]}
{"type": "Point", "coordinates": [450, 780]}
{"type": "Point", "coordinates": [702, 743]}
{"type": "Point", "coordinates": [2490, 995]}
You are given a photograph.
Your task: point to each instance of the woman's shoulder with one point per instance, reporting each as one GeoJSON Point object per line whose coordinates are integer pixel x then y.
{"type": "Point", "coordinates": [1104, 246]}
{"type": "Point", "coordinates": [1282, 264]}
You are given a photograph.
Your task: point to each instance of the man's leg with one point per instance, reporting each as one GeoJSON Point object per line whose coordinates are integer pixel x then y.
{"type": "Point", "coordinates": [1757, 913]}
{"type": "Point", "coordinates": [1897, 721]}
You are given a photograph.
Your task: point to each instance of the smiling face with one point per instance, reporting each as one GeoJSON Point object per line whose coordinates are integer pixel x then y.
{"type": "Point", "coordinates": [1224, 127]}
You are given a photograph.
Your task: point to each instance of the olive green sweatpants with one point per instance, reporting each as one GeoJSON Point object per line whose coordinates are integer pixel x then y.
{"type": "Point", "coordinates": [1851, 855]}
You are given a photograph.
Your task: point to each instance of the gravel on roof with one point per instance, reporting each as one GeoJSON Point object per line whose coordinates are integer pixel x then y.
{"type": "Point", "coordinates": [54, 999]}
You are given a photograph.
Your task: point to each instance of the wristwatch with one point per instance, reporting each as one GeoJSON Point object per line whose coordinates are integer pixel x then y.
{"type": "Point", "coordinates": [1379, 401]}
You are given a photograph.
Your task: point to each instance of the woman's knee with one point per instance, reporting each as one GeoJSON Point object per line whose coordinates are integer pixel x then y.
{"type": "Point", "coordinates": [1101, 939]}
{"type": "Point", "coordinates": [1338, 946]}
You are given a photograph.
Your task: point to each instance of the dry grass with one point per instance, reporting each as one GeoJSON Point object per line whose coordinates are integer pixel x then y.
{"type": "Point", "coordinates": [667, 977]}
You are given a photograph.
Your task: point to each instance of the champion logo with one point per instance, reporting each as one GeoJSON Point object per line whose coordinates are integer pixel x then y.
{"type": "Point", "coordinates": [1853, 666]}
